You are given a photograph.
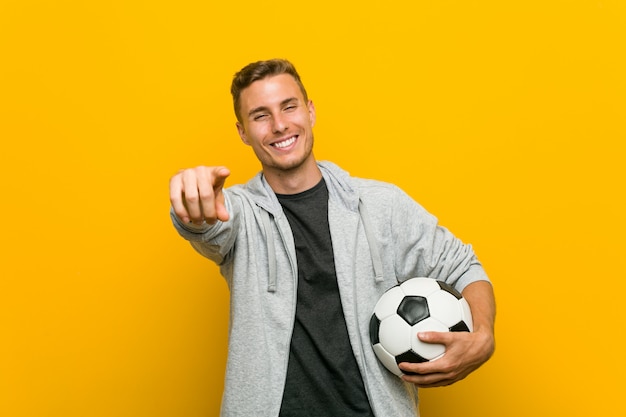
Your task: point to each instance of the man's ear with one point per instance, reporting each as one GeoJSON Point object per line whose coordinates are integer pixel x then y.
{"type": "Point", "coordinates": [242, 133]}
{"type": "Point", "coordinates": [311, 112]}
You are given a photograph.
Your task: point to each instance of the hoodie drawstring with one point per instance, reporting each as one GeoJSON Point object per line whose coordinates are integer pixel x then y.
{"type": "Point", "coordinates": [371, 241]}
{"type": "Point", "coordinates": [271, 251]}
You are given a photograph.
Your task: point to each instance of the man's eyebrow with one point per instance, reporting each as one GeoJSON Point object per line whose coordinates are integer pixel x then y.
{"type": "Point", "coordinates": [265, 108]}
{"type": "Point", "coordinates": [257, 110]}
{"type": "Point", "coordinates": [289, 101]}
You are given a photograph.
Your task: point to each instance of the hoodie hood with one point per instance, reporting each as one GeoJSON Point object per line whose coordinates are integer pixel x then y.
{"type": "Point", "coordinates": [340, 188]}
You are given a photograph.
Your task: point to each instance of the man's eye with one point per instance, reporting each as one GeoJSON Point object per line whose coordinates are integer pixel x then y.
{"type": "Point", "coordinates": [260, 116]}
{"type": "Point", "coordinates": [290, 108]}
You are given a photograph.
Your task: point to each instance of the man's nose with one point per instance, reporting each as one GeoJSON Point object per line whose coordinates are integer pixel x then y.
{"type": "Point", "coordinates": [279, 123]}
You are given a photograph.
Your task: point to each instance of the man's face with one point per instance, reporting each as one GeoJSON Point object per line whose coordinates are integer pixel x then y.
{"type": "Point", "coordinates": [278, 123]}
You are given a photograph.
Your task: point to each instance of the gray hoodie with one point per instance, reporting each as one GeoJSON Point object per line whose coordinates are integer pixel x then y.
{"type": "Point", "coordinates": [380, 236]}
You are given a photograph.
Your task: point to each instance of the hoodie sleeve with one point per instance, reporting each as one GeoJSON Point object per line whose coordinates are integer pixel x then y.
{"type": "Point", "coordinates": [424, 248]}
{"type": "Point", "coordinates": [216, 241]}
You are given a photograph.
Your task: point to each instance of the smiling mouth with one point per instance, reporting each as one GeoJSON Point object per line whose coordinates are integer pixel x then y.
{"type": "Point", "coordinates": [284, 143]}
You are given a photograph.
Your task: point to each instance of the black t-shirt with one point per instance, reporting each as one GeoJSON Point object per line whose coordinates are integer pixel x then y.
{"type": "Point", "coordinates": [323, 379]}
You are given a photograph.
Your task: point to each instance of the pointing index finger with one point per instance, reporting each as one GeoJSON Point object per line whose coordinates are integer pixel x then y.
{"type": "Point", "coordinates": [220, 174]}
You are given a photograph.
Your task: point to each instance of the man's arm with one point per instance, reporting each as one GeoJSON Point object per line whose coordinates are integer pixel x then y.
{"type": "Point", "coordinates": [465, 352]}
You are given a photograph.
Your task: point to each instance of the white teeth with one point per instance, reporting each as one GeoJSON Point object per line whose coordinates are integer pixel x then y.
{"type": "Point", "coordinates": [285, 143]}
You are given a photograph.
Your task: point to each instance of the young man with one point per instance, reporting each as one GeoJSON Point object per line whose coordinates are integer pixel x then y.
{"type": "Point", "coordinates": [307, 251]}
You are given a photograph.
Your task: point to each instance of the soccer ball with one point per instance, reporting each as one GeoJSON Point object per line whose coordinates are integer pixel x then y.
{"type": "Point", "coordinates": [416, 305]}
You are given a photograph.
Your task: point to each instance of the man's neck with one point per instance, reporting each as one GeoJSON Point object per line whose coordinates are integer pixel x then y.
{"type": "Point", "coordinates": [293, 181]}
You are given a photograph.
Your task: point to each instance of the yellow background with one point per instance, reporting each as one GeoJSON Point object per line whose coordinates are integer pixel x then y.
{"type": "Point", "coordinates": [506, 119]}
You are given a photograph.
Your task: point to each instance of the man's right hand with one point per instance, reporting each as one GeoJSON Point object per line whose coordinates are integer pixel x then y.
{"type": "Point", "coordinates": [196, 195]}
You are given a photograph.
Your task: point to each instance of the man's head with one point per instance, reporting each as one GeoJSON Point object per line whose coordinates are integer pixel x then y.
{"type": "Point", "coordinates": [258, 71]}
{"type": "Point", "coordinates": [276, 119]}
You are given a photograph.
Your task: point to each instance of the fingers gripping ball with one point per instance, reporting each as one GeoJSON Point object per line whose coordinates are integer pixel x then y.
{"type": "Point", "coordinates": [416, 305]}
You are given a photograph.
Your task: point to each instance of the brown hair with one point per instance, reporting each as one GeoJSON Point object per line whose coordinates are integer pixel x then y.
{"type": "Point", "coordinates": [258, 71]}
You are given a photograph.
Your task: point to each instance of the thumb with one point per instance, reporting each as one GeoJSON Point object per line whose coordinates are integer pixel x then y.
{"type": "Point", "coordinates": [433, 337]}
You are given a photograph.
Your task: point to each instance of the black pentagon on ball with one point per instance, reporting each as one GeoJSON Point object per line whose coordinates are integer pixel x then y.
{"type": "Point", "coordinates": [411, 357]}
{"type": "Point", "coordinates": [449, 288]}
{"type": "Point", "coordinates": [374, 326]}
{"type": "Point", "coordinates": [413, 309]}
{"type": "Point", "coordinates": [460, 327]}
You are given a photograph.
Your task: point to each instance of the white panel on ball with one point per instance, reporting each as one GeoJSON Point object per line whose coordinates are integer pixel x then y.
{"type": "Point", "coordinates": [420, 286]}
{"type": "Point", "coordinates": [445, 307]}
{"type": "Point", "coordinates": [388, 360]}
{"type": "Point", "coordinates": [388, 304]}
{"type": "Point", "coordinates": [467, 314]}
{"type": "Point", "coordinates": [395, 335]}
{"type": "Point", "coordinates": [428, 351]}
